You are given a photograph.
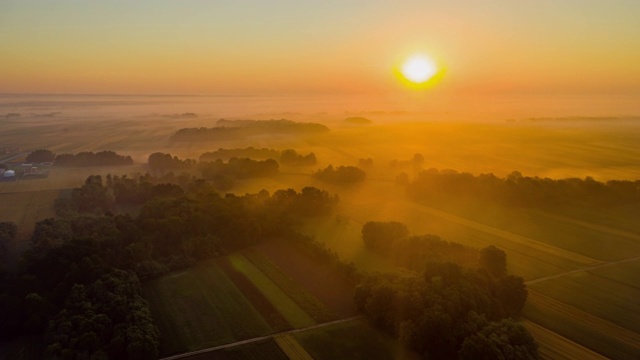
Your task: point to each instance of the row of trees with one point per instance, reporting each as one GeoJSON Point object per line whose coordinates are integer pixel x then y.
{"type": "Point", "coordinates": [85, 158]}
{"type": "Point", "coordinates": [234, 129]}
{"type": "Point", "coordinates": [286, 157]}
{"type": "Point", "coordinates": [340, 175]}
{"type": "Point", "coordinates": [519, 190]}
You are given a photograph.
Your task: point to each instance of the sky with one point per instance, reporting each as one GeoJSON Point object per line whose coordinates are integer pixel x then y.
{"type": "Point", "coordinates": [284, 47]}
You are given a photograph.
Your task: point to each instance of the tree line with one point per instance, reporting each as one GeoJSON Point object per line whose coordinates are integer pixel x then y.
{"type": "Point", "coordinates": [234, 129]}
{"type": "Point", "coordinates": [85, 158]}
{"type": "Point", "coordinates": [524, 191]}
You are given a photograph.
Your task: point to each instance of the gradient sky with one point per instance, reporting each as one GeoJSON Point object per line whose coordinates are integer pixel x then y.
{"type": "Point", "coordinates": [322, 47]}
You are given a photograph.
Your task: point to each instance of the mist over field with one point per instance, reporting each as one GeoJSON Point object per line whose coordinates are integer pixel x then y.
{"type": "Point", "coordinates": [287, 180]}
{"type": "Point", "coordinates": [555, 195]}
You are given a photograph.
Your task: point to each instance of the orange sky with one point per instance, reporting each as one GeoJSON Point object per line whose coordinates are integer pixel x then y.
{"type": "Point", "coordinates": [329, 47]}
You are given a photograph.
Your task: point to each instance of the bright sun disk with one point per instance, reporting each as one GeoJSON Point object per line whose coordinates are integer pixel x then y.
{"type": "Point", "coordinates": [418, 69]}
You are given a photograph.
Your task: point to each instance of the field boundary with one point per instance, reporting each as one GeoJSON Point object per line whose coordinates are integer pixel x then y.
{"type": "Point", "coordinates": [261, 338]}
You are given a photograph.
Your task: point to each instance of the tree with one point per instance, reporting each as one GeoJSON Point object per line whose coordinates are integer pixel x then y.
{"type": "Point", "coordinates": [506, 339]}
{"type": "Point", "coordinates": [41, 155]}
{"type": "Point", "coordinates": [380, 236]}
{"type": "Point", "coordinates": [494, 260]}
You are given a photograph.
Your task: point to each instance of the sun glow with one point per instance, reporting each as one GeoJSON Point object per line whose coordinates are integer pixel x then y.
{"type": "Point", "coordinates": [418, 69]}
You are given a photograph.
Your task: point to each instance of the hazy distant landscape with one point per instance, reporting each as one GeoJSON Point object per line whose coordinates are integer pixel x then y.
{"type": "Point", "coordinates": [286, 180]}
{"type": "Point", "coordinates": [576, 257]}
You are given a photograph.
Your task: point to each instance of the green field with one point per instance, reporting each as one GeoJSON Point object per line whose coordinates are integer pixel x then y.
{"type": "Point", "coordinates": [309, 303]}
{"type": "Point", "coordinates": [201, 308]}
{"type": "Point", "coordinates": [291, 311]}
{"type": "Point", "coordinates": [582, 328]}
{"type": "Point", "coordinates": [261, 350]}
{"type": "Point", "coordinates": [596, 296]}
{"type": "Point", "coordinates": [351, 340]}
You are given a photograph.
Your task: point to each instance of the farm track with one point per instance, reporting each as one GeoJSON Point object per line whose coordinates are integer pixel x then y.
{"type": "Point", "coordinates": [581, 318]}
{"type": "Point", "coordinates": [260, 338]}
{"type": "Point", "coordinates": [569, 255]}
{"type": "Point", "coordinates": [589, 268]}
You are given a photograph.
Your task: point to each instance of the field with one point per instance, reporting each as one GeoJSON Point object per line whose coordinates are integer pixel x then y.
{"type": "Point", "coordinates": [352, 340]}
{"type": "Point", "coordinates": [581, 264]}
{"type": "Point", "coordinates": [238, 297]}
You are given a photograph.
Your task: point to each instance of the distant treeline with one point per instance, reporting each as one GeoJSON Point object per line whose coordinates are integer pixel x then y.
{"type": "Point", "coordinates": [340, 175]}
{"type": "Point", "coordinates": [234, 129]}
{"type": "Point", "coordinates": [78, 286]}
{"type": "Point", "coordinates": [525, 191]}
{"type": "Point", "coordinates": [286, 157]}
{"type": "Point", "coordinates": [102, 158]}
{"type": "Point", "coordinates": [85, 158]}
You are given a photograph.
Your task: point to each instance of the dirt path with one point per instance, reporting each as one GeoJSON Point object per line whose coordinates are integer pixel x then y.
{"type": "Point", "coordinates": [260, 338]}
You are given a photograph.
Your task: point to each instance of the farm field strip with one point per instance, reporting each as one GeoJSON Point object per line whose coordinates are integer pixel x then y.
{"type": "Point", "coordinates": [579, 317]}
{"type": "Point", "coordinates": [201, 307]}
{"type": "Point", "coordinates": [594, 226]}
{"type": "Point", "coordinates": [292, 348]}
{"type": "Point", "coordinates": [311, 305]}
{"type": "Point", "coordinates": [260, 338]}
{"type": "Point", "coordinates": [586, 269]}
{"type": "Point", "coordinates": [268, 311]}
{"type": "Point", "coordinates": [316, 277]}
{"type": "Point", "coordinates": [600, 243]}
{"type": "Point", "coordinates": [609, 300]}
{"type": "Point", "coordinates": [293, 313]}
{"type": "Point", "coordinates": [625, 272]}
{"type": "Point", "coordinates": [555, 347]}
{"type": "Point", "coordinates": [569, 255]}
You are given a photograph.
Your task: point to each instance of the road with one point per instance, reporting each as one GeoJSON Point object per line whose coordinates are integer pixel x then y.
{"type": "Point", "coordinates": [260, 338]}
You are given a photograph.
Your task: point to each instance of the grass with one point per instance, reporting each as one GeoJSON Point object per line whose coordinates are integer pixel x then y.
{"type": "Point", "coordinates": [351, 340]}
{"type": "Point", "coordinates": [311, 304]}
{"type": "Point", "coordinates": [200, 308]}
{"type": "Point", "coordinates": [291, 311]}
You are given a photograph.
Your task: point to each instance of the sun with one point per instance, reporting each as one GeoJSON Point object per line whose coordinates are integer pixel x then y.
{"type": "Point", "coordinates": [419, 69]}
